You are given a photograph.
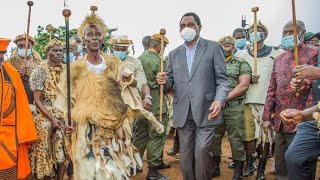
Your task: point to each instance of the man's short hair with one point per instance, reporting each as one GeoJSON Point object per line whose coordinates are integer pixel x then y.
{"type": "Point", "coordinates": [238, 30]}
{"type": "Point", "coordinates": [146, 40]}
{"type": "Point", "coordinates": [194, 15]}
{"type": "Point", "coordinates": [300, 25]}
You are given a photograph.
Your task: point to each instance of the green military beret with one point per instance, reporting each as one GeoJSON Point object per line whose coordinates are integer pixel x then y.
{"type": "Point", "coordinates": [310, 35]}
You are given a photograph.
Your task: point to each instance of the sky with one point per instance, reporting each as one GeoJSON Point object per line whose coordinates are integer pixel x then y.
{"type": "Point", "coordinates": [138, 18]}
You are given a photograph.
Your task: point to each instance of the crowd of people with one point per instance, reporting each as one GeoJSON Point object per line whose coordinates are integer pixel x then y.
{"type": "Point", "coordinates": [267, 106]}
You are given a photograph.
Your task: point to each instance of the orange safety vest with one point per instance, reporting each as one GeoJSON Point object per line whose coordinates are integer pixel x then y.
{"type": "Point", "coordinates": [17, 129]}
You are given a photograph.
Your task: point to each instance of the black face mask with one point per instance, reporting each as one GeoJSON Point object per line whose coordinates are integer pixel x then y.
{"type": "Point", "coordinates": [227, 53]}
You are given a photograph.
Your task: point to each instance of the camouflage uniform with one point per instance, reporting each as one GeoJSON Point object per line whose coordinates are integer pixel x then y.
{"type": "Point", "coordinates": [144, 134]}
{"type": "Point", "coordinates": [169, 97]}
{"type": "Point", "coordinates": [233, 113]}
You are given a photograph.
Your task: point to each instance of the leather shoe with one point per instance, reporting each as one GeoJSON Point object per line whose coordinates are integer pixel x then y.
{"type": "Point", "coordinates": [153, 174]}
{"type": "Point", "coordinates": [163, 166]}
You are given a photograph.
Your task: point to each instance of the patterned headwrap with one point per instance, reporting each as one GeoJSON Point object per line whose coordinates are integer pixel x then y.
{"type": "Point", "coordinates": [53, 42]}
{"type": "Point", "coordinates": [23, 37]}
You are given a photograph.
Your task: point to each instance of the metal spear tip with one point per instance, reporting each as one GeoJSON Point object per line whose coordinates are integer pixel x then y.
{"type": "Point", "coordinates": [162, 32]}
{"type": "Point", "coordinates": [255, 9]}
{"type": "Point", "coordinates": [30, 3]}
{"type": "Point", "coordinates": [66, 12]}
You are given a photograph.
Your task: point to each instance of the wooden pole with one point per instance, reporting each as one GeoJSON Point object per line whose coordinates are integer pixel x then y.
{"type": "Point", "coordinates": [296, 52]}
{"type": "Point", "coordinates": [162, 33]}
{"type": "Point", "coordinates": [29, 3]}
{"type": "Point", "coordinates": [67, 13]}
{"type": "Point", "coordinates": [50, 29]}
{"type": "Point", "coordinates": [255, 45]}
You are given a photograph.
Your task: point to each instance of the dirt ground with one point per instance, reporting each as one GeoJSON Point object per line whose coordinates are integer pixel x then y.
{"type": "Point", "coordinates": [175, 174]}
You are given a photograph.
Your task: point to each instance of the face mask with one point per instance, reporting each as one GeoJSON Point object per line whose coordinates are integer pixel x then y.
{"type": "Point", "coordinates": [287, 42]}
{"type": "Point", "coordinates": [241, 43]}
{"type": "Point", "coordinates": [227, 53]}
{"type": "Point", "coordinates": [79, 48]}
{"type": "Point", "coordinates": [188, 34]}
{"type": "Point", "coordinates": [260, 36]}
{"type": "Point", "coordinates": [21, 52]}
{"type": "Point", "coordinates": [121, 55]}
{"type": "Point", "coordinates": [70, 55]}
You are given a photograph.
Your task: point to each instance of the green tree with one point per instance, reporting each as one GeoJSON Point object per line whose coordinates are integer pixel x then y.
{"type": "Point", "coordinates": [42, 37]}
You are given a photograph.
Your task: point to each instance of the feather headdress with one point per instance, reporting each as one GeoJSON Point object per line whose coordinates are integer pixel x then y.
{"type": "Point", "coordinates": [90, 20]}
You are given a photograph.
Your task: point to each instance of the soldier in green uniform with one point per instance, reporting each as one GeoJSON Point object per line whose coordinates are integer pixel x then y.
{"type": "Point", "coordinates": [239, 73]}
{"type": "Point", "coordinates": [144, 135]}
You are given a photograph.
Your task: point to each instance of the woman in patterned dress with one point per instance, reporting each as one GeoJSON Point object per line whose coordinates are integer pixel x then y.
{"type": "Point", "coordinates": [49, 157]}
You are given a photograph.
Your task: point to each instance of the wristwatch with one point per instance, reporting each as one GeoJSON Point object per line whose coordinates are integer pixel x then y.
{"type": "Point", "coordinates": [148, 96]}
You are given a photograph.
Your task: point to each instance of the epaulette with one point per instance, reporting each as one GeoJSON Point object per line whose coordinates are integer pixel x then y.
{"type": "Point", "coordinates": [276, 47]}
{"type": "Point", "coordinates": [238, 58]}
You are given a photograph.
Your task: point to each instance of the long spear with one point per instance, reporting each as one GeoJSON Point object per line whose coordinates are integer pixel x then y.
{"type": "Point", "coordinates": [29, 3]}
{"type": "Point", "coordinates": [162, 33]}
{"type": "Point", "coordinates": [255, 45]}
{"type": "Point", "coordinates": [67, 13]}
{"type": "Point", "coordinates": [296, 53]}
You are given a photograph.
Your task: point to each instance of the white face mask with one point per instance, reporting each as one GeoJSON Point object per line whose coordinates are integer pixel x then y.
{"type": "Point", "coordinates": [22, 51]}
{"type": "Point", "coordinates": [188, 34]}
{"type": "Point", "coordinates": [79, 48]}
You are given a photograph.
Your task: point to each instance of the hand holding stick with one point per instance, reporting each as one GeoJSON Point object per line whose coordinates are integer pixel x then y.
{"type": "Point", "coordinates": [67, 13]}
{"type": "Point", "coordinates": [162, 33]}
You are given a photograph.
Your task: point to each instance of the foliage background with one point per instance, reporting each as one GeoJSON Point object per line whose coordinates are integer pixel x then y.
{"type": "Point", "coordinates": [42, 37]}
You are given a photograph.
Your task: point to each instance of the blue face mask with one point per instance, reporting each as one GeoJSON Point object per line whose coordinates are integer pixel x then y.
{"type": "Point", "coordinates": [121, 55]}
{"type": "Point", "coordinates": [21, 52]}
{"type": "Point", "coordinates": [79, 48]}
{"type": "Point", "coordinates": [241, 43]}
{"type": "Point", "coordinates": [70, 55]}
{"type": "Point", "coordinates": [260, 36]}
{"type": "Point", "coordinates": [287, 42]}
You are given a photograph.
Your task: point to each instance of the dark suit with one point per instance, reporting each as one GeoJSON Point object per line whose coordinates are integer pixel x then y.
{"type": "Point", "coordinates": [194, 93]}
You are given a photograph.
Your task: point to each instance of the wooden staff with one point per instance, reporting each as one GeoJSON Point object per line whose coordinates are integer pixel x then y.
{"type": "Point", "coordinates": [162, 33]}
{"type": "Point", "coordinates": [50, 29]}
{"type": "Point", "coordinates": [93, 9]}
{"type": "Point", "coordinates": [255, 45]}
{"type": "Point", "coordinates": [296, 53]}
{"type": "Point", "coordinates": [29, 3]}
{"type": "Point", "coordinates": [67, 13]}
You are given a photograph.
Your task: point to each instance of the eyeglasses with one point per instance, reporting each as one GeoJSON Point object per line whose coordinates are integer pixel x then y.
{"type": "Point", "coordinates": [22, 46]}
{"type": "Point", "coordinates": [313, 42]}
